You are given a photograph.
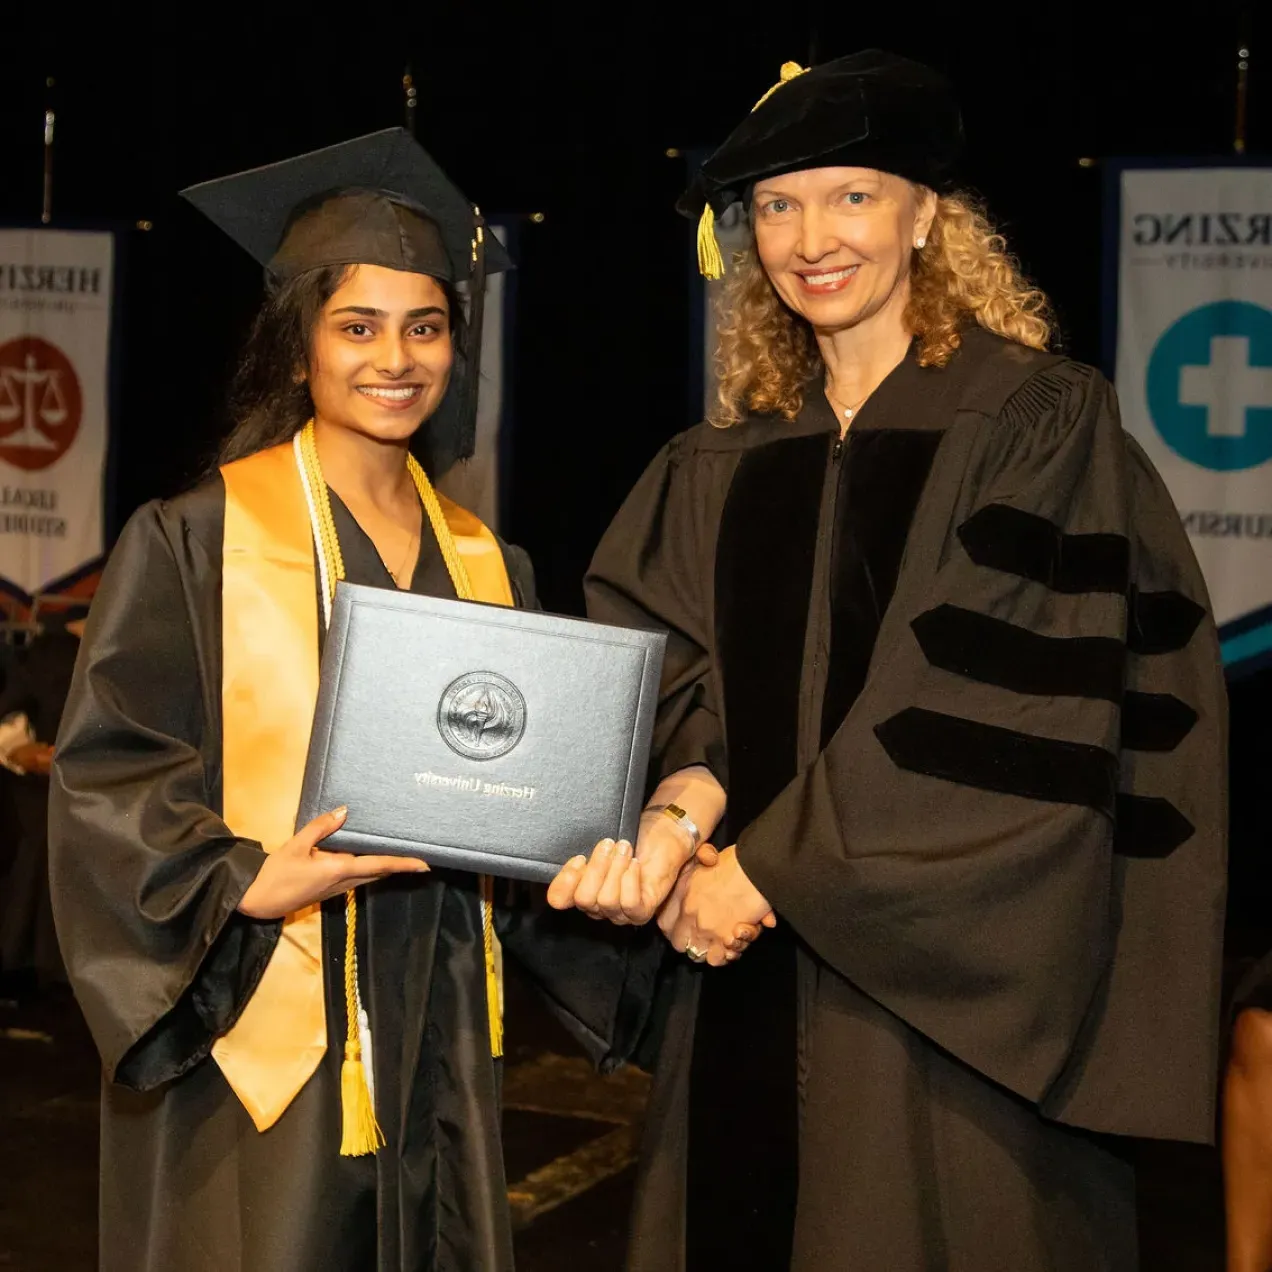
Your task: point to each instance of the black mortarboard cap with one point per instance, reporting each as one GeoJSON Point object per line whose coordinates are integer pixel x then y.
{"type": "Point", "coordinates": [868, 110]}
{"type": "Point", "coordinates": [375, 200]}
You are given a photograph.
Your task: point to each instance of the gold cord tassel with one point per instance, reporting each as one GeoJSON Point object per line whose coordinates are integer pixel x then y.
{"type": "Point", "coordinates": [493, 1005]}
{"type": "Point", "coordinates": [359, 1131]}
{"type": "Point", "coordinates": [710, 262]}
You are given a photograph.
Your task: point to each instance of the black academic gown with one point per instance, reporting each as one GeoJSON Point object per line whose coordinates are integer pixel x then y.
{"type": "Point", "coordinates": [146, 879]}
{"type": "Point", "coordinates": [960, 681]}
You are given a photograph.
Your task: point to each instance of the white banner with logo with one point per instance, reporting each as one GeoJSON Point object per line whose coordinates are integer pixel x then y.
{"type": "Point", "coordinates": [1194, 372]}
{"type": "Point", "coordinates": [55, 315]}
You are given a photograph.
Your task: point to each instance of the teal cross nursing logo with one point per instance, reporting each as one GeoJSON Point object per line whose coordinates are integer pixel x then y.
{"type": "Point", "coordinates": [1210, 385]}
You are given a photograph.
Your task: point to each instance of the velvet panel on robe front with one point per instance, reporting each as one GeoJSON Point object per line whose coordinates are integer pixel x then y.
{"type": "Point", "coordinates": [791, 504]}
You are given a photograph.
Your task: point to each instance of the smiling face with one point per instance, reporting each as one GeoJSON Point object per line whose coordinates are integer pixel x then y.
{"type": "Point", "coordinates": [382, 353]}
{"type": "Point", "coordinates": [836, 242]}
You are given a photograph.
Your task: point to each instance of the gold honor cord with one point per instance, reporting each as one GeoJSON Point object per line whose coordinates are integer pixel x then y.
{"type": "Point", "coordinates": [710, 261]}
{"type": "Point", "coordinates": [361, 1132]}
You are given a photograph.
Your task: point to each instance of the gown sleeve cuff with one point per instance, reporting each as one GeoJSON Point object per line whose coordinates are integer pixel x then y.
{"type": "Point", "coordinates": [765, 865]}
{"type": "Point", "coordinates": [636, 1002]}
{"type": "Point", "coordinates": [695, 742]}
{"type": "Point", "coordinates": [598, 981]}
{"type": "Point", "coordinates": [238, 949]}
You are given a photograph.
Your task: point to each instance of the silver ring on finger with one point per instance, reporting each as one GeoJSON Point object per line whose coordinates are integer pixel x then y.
{"type": "Point", "coordinates": [695, 954]}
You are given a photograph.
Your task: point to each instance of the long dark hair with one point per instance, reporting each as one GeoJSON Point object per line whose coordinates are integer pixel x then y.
{"type": "Point", "coordinates": [269, 398]}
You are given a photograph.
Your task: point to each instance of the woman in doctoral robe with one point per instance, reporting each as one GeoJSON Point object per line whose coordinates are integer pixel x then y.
{"type": "Point", "coordinates": [275, 1099]}
{"type": "Point", "coordinates": [939, 642]}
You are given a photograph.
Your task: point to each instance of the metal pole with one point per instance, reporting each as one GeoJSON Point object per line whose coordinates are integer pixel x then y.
{"type": "Point", "coordinates": [46, 210]}
{"type": "Point", "coordinates": [1243, 83]}
{"type": "Point", "coordinates": [813, 32]}
{"type": "Point", "coordinates": [410, 100]}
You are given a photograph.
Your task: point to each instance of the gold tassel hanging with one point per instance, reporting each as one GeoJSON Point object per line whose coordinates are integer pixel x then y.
{"type": "Point", "coordinates": [494, 1004]}
{"type": "Point", "coordinates": [710, 258]}
{"type": "Point", "coordinates": [710, 262]}
{"type": "Point", "coordinates": [359, 1131]}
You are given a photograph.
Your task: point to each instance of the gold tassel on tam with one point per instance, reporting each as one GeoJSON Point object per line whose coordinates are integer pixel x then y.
{"type": "Point", "coordinates": [710, 259]}
{"type": "Point", "coordinates": [789, 71]}
{"type": "Point", "coordinates": [710, 262]}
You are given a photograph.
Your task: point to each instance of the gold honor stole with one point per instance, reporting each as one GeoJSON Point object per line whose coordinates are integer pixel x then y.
{"type": "Point", "coordinates": [269, 687]}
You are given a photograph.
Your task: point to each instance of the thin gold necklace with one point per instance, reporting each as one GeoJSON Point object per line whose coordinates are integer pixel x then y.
{"type": "Point", "coordinates": [396, 575]}
{"type": "Point", "coordinates": [848, 412]}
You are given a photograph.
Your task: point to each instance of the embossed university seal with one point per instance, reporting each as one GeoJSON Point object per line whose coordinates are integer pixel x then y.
{"type": "Point", "coordinates": [482, 715]}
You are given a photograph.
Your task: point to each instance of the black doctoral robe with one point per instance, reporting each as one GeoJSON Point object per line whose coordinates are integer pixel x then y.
{"type": "Point", "coordinates": [145, 881]}
{"type": "Point", "coordinates": [960, 681]}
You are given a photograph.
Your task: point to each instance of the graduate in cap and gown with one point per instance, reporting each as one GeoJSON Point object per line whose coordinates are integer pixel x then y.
{"type": "Point", "coordinates": [943, 686]}
{"type": "Point", "coordinates": [300, 1047]}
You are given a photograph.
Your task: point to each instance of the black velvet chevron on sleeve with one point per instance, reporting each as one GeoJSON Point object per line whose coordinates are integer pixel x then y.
{"type": "Point", "coordinates": [1149, 826]}
{"type": "Point", "coordinates": [994, 652]}
{"type": "Point", "coordinates": [1161, 622]}
{"type": "Point", "coordinates": [1155, 721]}
{"type": "Point", "coordinates": [991, 758]}
{"type": "Point", "coordinates": [1017, 542]}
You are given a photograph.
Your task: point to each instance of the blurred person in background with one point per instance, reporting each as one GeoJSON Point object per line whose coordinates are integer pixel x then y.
{"type": "Point", "coordinates": [31, 705]}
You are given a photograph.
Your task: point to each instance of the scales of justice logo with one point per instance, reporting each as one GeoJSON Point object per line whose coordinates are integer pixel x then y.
{"type": "Point", "coordinates": [482, 715]}
{"type": "Point", "coordinates": [41, 403]}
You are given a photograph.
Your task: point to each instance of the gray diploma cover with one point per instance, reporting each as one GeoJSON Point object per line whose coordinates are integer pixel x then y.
{"type": "Point", "coordinates": [478, 737]}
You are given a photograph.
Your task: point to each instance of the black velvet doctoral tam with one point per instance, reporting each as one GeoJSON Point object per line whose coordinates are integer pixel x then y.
{"type": "Point", "coordinates": [868, 110]}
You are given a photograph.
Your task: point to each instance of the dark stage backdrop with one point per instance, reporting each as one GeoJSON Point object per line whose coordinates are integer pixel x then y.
{"type": "Point", "coordinates": [570, 111]}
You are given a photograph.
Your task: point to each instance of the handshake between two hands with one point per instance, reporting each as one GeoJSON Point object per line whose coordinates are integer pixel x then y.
{"type": "Point", "coordinates": [703, 900]}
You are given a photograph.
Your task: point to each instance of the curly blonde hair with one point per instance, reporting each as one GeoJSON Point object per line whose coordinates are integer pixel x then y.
{"type": "Point", "coordinates": [766, 353]}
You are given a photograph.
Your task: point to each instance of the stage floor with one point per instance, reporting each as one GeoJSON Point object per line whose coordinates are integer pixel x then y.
{"type": "Point", "coordinates": [569, 1145]}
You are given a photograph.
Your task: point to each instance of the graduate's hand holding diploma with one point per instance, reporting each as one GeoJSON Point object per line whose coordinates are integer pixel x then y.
{"type": "Point", "coordinates": [299, 874]}
{"type": "Point", "coordinates": [621, 883]}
